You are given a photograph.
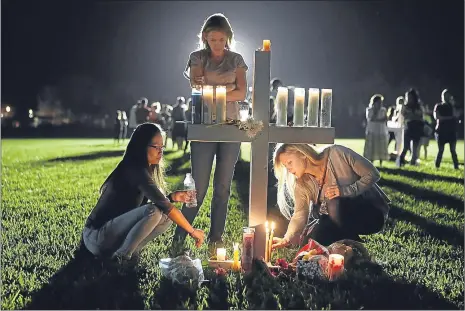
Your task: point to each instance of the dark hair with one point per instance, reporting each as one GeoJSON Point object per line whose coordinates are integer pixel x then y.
{"type": "Point", "coordinates": [135, 155]}
{"type": "Point", "coordinates": [415, 104]}
{"type": "Point", "coordinates": [275, 83]}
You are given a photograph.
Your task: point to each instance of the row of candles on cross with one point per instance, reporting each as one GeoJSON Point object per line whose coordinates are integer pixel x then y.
{"type": "Point", "coordinates": [208, 104]}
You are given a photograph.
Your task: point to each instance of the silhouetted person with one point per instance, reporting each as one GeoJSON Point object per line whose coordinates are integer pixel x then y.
{"type": "Point", "coordinates": [117, 128]}
{"type": "Point", "coordinates": [124, 125]}
{"type": "Point", "coordinates": [179, 129]}
{"type": "Point", "coordinates": [142, 112]}
{"type": "Point", "coordinates": [412, 113]}
{"type": "Point", "coordinates": [446, 121]}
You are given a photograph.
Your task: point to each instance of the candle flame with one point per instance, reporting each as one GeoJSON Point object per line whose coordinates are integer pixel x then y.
{"type": "Point", "coordinates": [272, 225]}
{"type": "Point", "coordinates": [266, 224]}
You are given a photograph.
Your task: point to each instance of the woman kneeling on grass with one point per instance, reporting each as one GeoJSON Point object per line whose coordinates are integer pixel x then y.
{"type": "Point", "coordinates": [337, 186]}
{"type": "Point", "coordinates": [122, 222]}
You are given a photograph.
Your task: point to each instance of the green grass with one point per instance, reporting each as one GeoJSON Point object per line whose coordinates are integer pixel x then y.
{"type": "Point", "coordinates": [50, 186]}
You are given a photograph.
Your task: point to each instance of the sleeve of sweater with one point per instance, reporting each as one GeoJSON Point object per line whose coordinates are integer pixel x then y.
{"type": "Point", "coordinates": [298, 219]}
{"type": "Point", "coordinates": [149, 189]}
{"type": "Point", "coordinates": [364, 169]}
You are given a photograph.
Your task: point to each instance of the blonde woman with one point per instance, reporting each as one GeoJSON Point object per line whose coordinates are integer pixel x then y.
{"type": "Point", "coordinates": [337, 186]}
{"type": "Point", "coordinates": [215, 64]}
{"type": "Point", "coordinates": [376, 132]}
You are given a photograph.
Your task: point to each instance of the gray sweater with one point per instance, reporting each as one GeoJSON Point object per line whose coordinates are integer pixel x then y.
{"type": "Point", "coordinates": [353, 174]}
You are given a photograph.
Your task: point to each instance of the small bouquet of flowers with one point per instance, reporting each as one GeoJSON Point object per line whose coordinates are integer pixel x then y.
{"type": "Point", "coordinates": [251, 126]}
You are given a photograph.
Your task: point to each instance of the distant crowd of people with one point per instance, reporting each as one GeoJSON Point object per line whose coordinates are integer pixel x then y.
{"type": "Point", "coordinates": [415, 124]}
{"type": "Point", "coordinates": [162, 114]}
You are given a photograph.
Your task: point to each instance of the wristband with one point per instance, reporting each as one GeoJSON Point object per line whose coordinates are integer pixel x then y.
{"type": "Point", "coordinates": [190, 233]}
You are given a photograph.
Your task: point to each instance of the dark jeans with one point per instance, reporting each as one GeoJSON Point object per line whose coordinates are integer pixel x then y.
{"type": "Point", "coordinates": [412, 134]}
{"type": "Point", "coordinates": [452, 141]}
{"type": "Point", "coordinates": [346, 219]}
{"type": "Point", "coordinates": [202, 155]}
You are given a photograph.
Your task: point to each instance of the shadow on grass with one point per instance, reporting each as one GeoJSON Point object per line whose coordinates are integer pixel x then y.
{"type": "Point", "coordinates": [88, 283]}
{"type": "Point", "coordinates": [424, 194]}
{"type": "Point", "coordinates": [89, 156]}
{"type": "Point", "coordinates": [442, 232]}
{"type": "Point", "coordinates": [420, 175]}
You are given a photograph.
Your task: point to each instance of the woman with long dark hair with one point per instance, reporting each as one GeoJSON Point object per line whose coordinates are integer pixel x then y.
{"type": "Point", "coordinates": [412, 113]}
{"type": "Point", "coordinates": [122, 222]}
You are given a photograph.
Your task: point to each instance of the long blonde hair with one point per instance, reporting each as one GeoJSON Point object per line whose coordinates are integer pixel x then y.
{"type": "Point", "coordinates": [288, 185]}
{"type": "Point", "coordinates": [216, 22]}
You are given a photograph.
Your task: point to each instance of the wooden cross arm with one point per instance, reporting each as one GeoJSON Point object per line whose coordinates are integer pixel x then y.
{"type": "Point", "coordinates": [301, 135]}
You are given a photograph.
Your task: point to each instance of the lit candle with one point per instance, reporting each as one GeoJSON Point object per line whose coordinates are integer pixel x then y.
{"type": "Point", "coordinates": [299, 104]}
{"type": "Point", "coordinates": [220, 104]}
{"type": "Point", "coordinates": [281, 106]}
{"type": "Point", "coordinates": [325, 109]}
{"type": "Point", "coordinates": [221, 254]}
{"type": "Point", "coordinates": [207, 100]}
{"type": "Point", "coordinates": [236, 257]}
{"type": "Point", "coordinates": [335, 266]}
{"type": "Point", "coordinates": [312, 109]}
{"type": "Point", "coordinates": [271, 241]}
{"type": "Point", "coordinates": [266, 45]}
{"type": "Point", "coordinates": [267, 237]}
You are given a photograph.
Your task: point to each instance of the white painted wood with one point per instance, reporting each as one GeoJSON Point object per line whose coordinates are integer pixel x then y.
{"type": "Point", "coordinates": [259, 145]}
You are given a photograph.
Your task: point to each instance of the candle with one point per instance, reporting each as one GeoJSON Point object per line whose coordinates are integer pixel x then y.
{"type": "Point", "coordinates": [313, 103]}
{"type": "Point", "coordinates": [248, 237]}
{"type": "Point", "coordinates": [236, 257]}
{"type": "Point", "coordinates": [220, 104]}
{"type": "Point", "coordinates": [299, 104]}
{"type": "Point", "coordinates": [221, 254]}
{"type": "Point", "coordinates": [266, 45]}
{"type": "Point", "coordinates": [267, 237]}
{"type": "Point", "coordinates": [271, 241]}
{"type": "Point", "coordinates": [281, 106]}
{"type": "Point", "coordinates": [196, 109]}
{"type": "Point", "coordinates": [207, 100]}
{"type": "Point", "coordinates": [325, 109]}
{"type": "Point", "coordinates": [335, 266]}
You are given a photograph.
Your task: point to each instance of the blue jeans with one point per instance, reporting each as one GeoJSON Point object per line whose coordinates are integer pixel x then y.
{"type": "Point", "coordinates": [128, 233]}
{"type": "Point", "coordinates": [202, 155]}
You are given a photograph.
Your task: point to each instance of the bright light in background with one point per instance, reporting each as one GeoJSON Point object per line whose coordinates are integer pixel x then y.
{"type": "Point", "coordinates": [31, 114]}
{"type": "Point", "coordinates": [8, 109]}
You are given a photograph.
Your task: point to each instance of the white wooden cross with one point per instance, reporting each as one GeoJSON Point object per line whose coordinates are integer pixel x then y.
{"type": "Point", "coordinates": [259, 144]}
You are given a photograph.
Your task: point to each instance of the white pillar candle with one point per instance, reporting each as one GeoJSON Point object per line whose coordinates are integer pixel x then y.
{"type": "Point", "coordinates": [281, 106]}
{"type": "Point", "coordinates": [220, 104]}
{"type": "Point", "coordinates": [207, 100]}
{"type": "Point", "coordinates": [221, 254]}
{"type": "Point", "coordinates": [313, 105]}
{"type": "Point", "coordinates": [299, 104]}
{"type": "Point", "coordinates": [325, 109]}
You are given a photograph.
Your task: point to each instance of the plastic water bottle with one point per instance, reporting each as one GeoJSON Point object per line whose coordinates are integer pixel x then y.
{"type": "Point", "coordinates": [189, 185]}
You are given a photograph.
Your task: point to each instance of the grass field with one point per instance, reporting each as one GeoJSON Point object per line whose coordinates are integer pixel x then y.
{"type": "Point", "coordinates": [50, 186]}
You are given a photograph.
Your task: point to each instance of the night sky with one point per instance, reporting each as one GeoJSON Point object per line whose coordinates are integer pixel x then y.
{"type": "Point", "coordinates": [127, 49]}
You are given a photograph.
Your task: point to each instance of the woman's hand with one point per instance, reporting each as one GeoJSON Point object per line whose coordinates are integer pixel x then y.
{"type": "Point", "coordinates": [198, 235]}
{"type": "Point", "coordinates": [279, 243]}
{"type": "Point", "coordinates": [199, 80]}
{"type": "Point", "coordinates": [332, 192]}
{"type": "Point", "coordinates": [183, 196]}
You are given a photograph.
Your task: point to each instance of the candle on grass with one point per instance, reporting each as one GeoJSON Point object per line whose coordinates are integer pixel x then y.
{"type": "Point", "coordinates": [221, 254]}
{"type": "Point", "coordinates": [313, 105]}
{"type": "Point", "coordinates": [299, 106]}
{"type": "Point", "coordinates": [335, 266]}
{"type": "Point", "coordinates": [267, 236]}
{"type": "Point", "coordinates": [236, 257]}
{"type": "Point", "coordinates": [220, 104]}
{"type": "Point", "coordinates": [266, 45]}
{"type": "Point", "coordinates": [271, 241]}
